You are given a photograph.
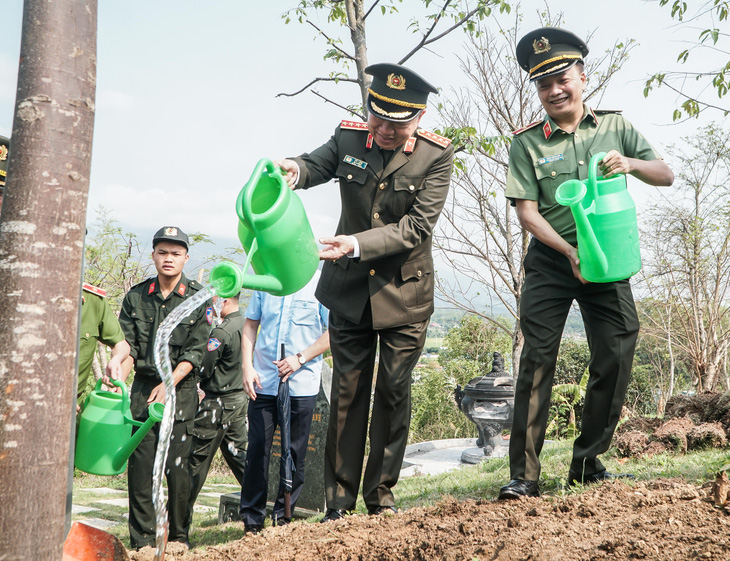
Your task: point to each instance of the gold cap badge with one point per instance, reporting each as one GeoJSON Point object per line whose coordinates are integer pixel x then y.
{"type": "Point", "coordinates": [171, 231]}
{"type": "Point", "coordinates": [396, 82]}
{"type": "Point", "coordinates": [3, 153]}
{"type": "Point", "coordinates": [541, 45]}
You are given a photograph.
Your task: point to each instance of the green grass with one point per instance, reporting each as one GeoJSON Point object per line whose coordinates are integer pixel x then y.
{"type": "Point", "coordinates": [478, 482]}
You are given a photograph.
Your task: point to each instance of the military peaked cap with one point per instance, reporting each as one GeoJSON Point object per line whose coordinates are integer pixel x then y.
{"type": "Point", "coordinates": [396, 93]}
{"type": "Point", "coordinates": [549, 50]}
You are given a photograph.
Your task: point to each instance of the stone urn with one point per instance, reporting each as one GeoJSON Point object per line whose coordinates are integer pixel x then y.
{"type": "Point", "coordinates": [488, 402]}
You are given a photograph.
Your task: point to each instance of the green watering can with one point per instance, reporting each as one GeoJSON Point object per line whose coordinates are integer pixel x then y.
{"type": "Point", "coordinates": [605, 220]}
{"type": "Point", "coordinates": [276, 235]}
{"type": "Point", "coordinates": [105, 439]}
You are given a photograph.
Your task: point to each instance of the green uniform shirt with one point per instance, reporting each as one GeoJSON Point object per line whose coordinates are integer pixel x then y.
{"type": "Point", "coordinates": [543, 156]}
{"type": "Point", "coordinates": [222, 370]}
{"type": "Point", "coordinates": [144, 309]}
{"type": "Point", "coordinates": [98, 323]}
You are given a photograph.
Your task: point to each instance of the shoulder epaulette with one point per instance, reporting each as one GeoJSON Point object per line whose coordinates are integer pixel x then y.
{"type": "Point", "coordinates": [142, 283]}
{"type": "Point", "coordinates": [94, 289]}
{"type": "Point", "coordinates": [528, 127]}
{"type": "Point", "coordinates": [433, 137]}
{"type": "Point", "coordinates": [608, 110]}
{"type": "Point", "coordinates": [354, 125]}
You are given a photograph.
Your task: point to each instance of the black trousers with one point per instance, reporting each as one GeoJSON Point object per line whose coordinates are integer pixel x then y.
{"type": "Point", "coordinates": [262, 423]}
{"type": "Point", "coordinates": [354, 348]}
{"type": "Point", "coordinates": [611, 325]}
{"type": "Point", "coordinates": [220, 423]}
{"type": "Point", "coordinates": [142, 523]}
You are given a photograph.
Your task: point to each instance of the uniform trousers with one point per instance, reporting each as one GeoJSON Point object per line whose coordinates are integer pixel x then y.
{"type": "Point", "coordinates": [262, 422]}
{"type": "Point", "coordinates": [354, 347]}
{"type": "Point", "coordinates": [142, 523]}
{"type": "Point", "coordinates": [611, 325]}
{"type": "Point", "coordinates": [220, 423]}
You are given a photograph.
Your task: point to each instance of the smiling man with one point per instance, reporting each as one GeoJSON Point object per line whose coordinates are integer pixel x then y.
{"type": "Point", "coordinates": [144, 308]}
{"type": "Point", "coordinates": [378, 278]}
{"type": "Point", "coordinates": [544, 155]}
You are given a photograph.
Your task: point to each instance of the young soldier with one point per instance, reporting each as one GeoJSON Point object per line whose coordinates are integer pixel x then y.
{"type": "Point", "coordinates": [544, 155]}
{"type": "Point", "coordinates": [221, 418]}
{"type": "Point", "coordinates": [145, 307]}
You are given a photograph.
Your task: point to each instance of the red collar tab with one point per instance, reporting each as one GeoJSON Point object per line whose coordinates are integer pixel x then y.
{"type": "Point", "coordinates": [547, 129]}
{"type": "Point", "coordinates": [433, 137]}
{"type": "Point", "coordinates": [181, 289]}
{"type": "Point", "coordinates": [152, 288]}
{"type": "Point", "coordinates": [94, 289]}
{"type": "Point", "coordinates": [369, 143]}
{"type": "Point", "coordinates": [354, 125]}
{"type": "Point", "coordinates": [410, 145]}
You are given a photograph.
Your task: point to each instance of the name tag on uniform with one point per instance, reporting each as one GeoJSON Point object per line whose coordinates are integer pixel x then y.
{"type": "Point", "coordinates": [550, 159]}
{"type": "Point", "coordinates": [355, 162]}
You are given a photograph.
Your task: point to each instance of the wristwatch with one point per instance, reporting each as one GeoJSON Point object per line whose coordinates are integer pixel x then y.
{"type": "Point", "coordinates": [302, 360]}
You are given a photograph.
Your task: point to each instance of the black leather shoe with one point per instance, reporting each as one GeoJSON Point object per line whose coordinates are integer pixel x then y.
{"type": "Point", "coordinates": [280, 521]}
{"type": "Point", "coordinates": [334, 514]}
{"type": "Point", "coordinates": [378, 510]}
{"type": "Point", "coordinates": [254, 529]}
{"type": "Point", "coordinates": [519, 488]}
{"type": "Point", "coordinates": [575, 478]}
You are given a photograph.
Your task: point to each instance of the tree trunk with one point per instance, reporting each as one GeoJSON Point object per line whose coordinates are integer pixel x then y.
{"type": "Point", "coordinates": [41, 246]}
{"type": "Point", "coordinates": [356, 21]}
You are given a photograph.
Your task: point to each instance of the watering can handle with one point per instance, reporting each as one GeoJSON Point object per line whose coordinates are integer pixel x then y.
{"type": "Point", "coordinates": [593, 173]}
{"type": "Point", "coordinates": [244, 201]}
{"type": "Point", "coordinates": [119, 384]}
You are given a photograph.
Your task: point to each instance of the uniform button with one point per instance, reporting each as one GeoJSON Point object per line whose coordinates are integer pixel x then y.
{"type": "Point", "coordinates": [581, 162]}
{"type": "Point", "coordinates": [553, 173]}
{"type": "Point", "coordinates": [372, 272]}
{"type": "Point", "coordinates": [349, 176]}
{"type": "Point", "coordinates": [418, 274]}
{"type": "Point", "coordinates": [163, 305]}
{"type": "Point", "coordinates": [382, 186]}
{"type": "Point", "coordinates": [376, 216]}
{"type": "Point", "coordinates": [411, 187]}
{"type": "Point", "coordinates": [87, 334]}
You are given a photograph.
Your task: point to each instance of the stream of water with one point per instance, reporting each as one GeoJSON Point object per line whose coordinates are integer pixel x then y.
{"type": "Point", "coordinates": [164, 367]}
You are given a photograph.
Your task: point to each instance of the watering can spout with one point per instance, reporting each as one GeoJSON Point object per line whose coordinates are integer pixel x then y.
{"type": "Point", "coordinates": [572, 194]}
{"type": "Point", "coordinates": [156, 410]}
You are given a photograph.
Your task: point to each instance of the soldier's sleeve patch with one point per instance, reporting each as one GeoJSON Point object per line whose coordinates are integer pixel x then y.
{"type": "Point", "coordinates": [209, 315]}
{"type": "Point", "coordinates": [433, 137]}
{"type": "Point", "coordinates": [354, 125]}
{"type": "Point", "coordinates": [213, 344]}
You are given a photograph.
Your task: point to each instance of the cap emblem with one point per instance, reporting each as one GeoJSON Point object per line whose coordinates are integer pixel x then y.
{"type": "Point", "coordinates": [541, 45]}
{"type": "Point", "coordinates": [171, 231]}
{"type": "Point", "coordinates": [3, 153]}
{"type": "Point", "coordinates": [396, 82]}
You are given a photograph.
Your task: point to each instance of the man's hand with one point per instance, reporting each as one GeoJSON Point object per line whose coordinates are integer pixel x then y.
{"type": "Point", "coordinates": [290, 169]}
{"type": "Point", "coordinates": [157, 394]}
{"type": "Point", "coordinates": [336, 247]}
{"type": "Point", "coordinates": [251, 379]}
{"type": "Point", "coordinates": [287, 367]}
{"type": "Point", "coordinates": [613, 163]}
{"type": "Point", "coordinates": [575, 265]}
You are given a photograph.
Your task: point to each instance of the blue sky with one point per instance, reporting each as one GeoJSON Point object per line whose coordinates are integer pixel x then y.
{"type": "Point", "coordinates": [186, 98]}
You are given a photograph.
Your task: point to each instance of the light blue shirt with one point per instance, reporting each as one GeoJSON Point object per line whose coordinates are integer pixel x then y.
{"type": "Point", "coordinates": [297, 321]}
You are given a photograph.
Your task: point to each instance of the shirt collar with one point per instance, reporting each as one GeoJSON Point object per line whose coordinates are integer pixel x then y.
{"type": "Point", "coordinates": [181, 288]}
{"type": "Point", "coordinates": [549, 127]}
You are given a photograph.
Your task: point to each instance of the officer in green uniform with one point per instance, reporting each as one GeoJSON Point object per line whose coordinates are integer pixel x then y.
{"type": "Point", "coordinates": [377, 281]}
{"type": "Point", "coordinates": [4, 148]}
{"type": "Point", "coordinates": [98, 323]}
{"type": "Point", "coordinates": [144, 308]}
{"type": "Point", "coordinates": [221, 418]}
{"type": "Point", "coordinates": [544, 155]}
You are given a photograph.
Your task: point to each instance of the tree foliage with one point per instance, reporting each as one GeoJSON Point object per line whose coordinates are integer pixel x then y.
{"type": "Point", "coordinates": [692, 87]}
{"type": "Point", "coordinates": [349, 56]}
{"type": "Point", "coordinates": [687, 265]}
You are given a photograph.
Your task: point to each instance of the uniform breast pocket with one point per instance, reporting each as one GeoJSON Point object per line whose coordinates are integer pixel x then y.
{"type": "Point", "coordinates": [90, 333]}
{"type": "Point", "coordinates": [352, 179]}
{"type": "Point", "coordinates": [550, 176]}
{"type": "Point", "coordinates": [405, 190]}
{"type": "Point", "coordinates": [181, 332]}
{"type": "Point", "coordinates": [143, 321]}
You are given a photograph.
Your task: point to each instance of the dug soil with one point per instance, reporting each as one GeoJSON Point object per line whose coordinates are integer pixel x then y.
{"type": "Point", "coordinates": [658, 520]}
